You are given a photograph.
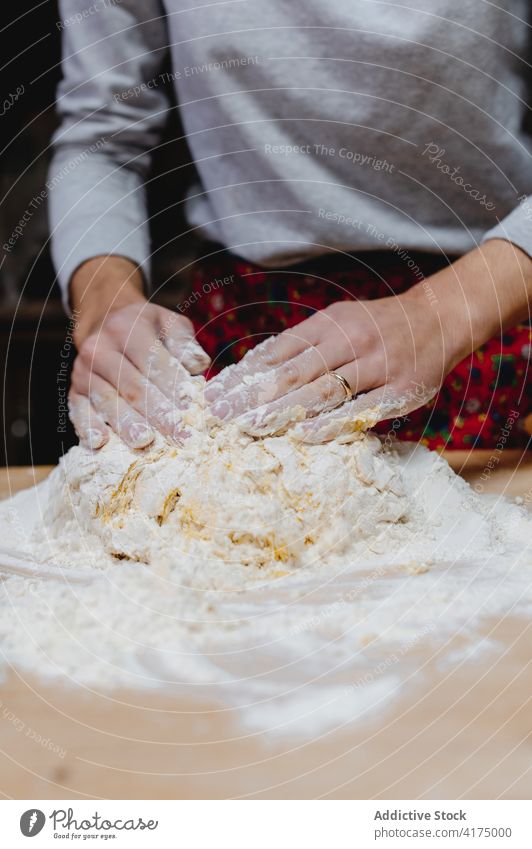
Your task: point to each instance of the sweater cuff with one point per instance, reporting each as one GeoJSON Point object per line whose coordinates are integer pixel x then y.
{"type": "Point", "coordinates": [516, 227]}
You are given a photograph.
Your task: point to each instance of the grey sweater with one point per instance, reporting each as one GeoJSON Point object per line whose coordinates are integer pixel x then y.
{"type": "Point", "coordinates": [316, 125]}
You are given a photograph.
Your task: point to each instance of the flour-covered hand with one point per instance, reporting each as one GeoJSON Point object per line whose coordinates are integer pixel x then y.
{"type": "Point", "coordinates": [393, 352]}
{"type": "Point", "coordinates": [133, 371]}
{"type": "Point", "coordinates": [132, 375]}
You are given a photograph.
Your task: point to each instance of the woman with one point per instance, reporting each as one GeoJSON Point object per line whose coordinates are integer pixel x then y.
{"type": "Point", "coordinates": [363, 186]}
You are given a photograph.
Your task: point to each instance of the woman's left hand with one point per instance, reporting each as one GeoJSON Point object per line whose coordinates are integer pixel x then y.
{"type": "Point", "coordinates": [395, 350]}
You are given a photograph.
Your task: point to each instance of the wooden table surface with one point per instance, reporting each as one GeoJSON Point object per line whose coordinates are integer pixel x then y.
{"type": "Point", "coordinates": [465, 732]}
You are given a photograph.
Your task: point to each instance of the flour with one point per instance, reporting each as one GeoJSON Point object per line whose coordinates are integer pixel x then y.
{"type": "Point", "coordinates": [300, 584]}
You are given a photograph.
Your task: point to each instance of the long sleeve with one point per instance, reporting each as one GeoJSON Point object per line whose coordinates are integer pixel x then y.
{"type": "Point", "coordinates": [516, 227]}
{"type": "Point", "coordinates": [112, 107]}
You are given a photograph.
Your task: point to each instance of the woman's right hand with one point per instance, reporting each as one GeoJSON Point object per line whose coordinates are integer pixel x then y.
{"type": "Point", "coordinates": [134, 358]}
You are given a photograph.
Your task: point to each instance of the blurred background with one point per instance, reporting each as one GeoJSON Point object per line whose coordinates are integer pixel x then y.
{"type": "Point", "coordinates": [33, 324]}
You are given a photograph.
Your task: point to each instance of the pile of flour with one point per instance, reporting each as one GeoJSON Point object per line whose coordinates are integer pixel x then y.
{"type": "Point", "coordinates": [299, 585]}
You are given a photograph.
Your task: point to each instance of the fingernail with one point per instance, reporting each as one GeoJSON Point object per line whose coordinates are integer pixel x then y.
{"type": "Point", "coordinates": [179, 435]}
{"type": "Point", "coordinates": [196, 351]}
{"type": "Point", "coordinates": [249, 420]}
{"type": "Point", "coordinates": [221, 409]}
{"type": "Point", "coordinates": [140, 435]}
{"type": "Point", "coordinates": [195, 359]}
{"type": "Point", "coordinates": [215, 388]}
{"type": "Point", "coordinates": [166, 417]}
{"type": "Point", "coordinates": [183, 396]}
{"type": "Point", "coordinates": [303, 434]}
{"type": "Point", "coordinates": [93, 439]}
{"type": "Point", "coordinates": [211, 392]}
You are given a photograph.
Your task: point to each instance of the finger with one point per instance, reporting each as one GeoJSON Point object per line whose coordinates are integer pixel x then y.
{"type": "Point", "coordinates": [90, 427]}
{"type": "Point", "coordinates": [180, 342]}
{"type": "Point", "coordinates": [136, 389]}
{"type": "Point", "coordinates": [325, 393]}
{"type": "Point", "coordinates": [125, 422]}
{"type": "Point", "coordinates": [353, 417]}
{"type": "Point", "coordinates": [302, 369]}
{"type": "Point", "coordinates": [145, 350]}
{"type": "Point", "coordinates": [265, 356]}
{"type": "Point", "coordinates": [153, 409]}
{"type": "Point", "coordinates": [322, 394]}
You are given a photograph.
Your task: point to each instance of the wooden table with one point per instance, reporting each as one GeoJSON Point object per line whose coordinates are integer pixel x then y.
{"type": "Point", "coordinates": [464, 733]}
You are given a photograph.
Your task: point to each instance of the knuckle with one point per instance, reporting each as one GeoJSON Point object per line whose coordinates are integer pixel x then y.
{"type": "Point", "coordinates": [328, 389]}
{"type": "Point", "coordinates": [77, 370]}
{"type": "Point", "coordinates": [118, 321]}
{"type": "Point", "coordinates": [100, 395]}
{"type": "Point", "coordinates": [183, 323]}
{"type": "Point", "coordinates": [131, 394]}
{"type": "Point", "coordinates": [363, 341]}
{"type": "Point", "coordinates": [335, 311]}
{"type": "Point", "coordinates": [73, 409]}
{"type": "Point", "coordinates": [346, 347]}
{"type": "Point", "coordinates": [290, 375]}
{"type": "Point", "coordinates": [267, 351]}
{"type": "Point", "coordinates": [88, 350]}
{"type": "Point", "coordinates": [268, 360]}
{"type": "Point", "coordinates": [76, 385]}
{"type": "Point", "coordinates": [102, 403]}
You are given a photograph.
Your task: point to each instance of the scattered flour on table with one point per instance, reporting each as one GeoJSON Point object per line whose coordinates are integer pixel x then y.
{"type": "Point", "coordinates": [300, 585]}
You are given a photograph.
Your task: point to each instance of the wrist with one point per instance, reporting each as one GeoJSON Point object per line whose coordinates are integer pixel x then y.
{"type": "Point", "coordinates": [101, 286]}
{"type": "Point", "coordinates": [482, 294]}
{"type": "Point", "coordinates": [438, 317]}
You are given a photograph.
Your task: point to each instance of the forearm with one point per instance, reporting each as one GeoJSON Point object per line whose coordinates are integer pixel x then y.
{"type": "Point", "coordinates": [479, 296]}
{"type": "Point", "coordinates": [100, 286]}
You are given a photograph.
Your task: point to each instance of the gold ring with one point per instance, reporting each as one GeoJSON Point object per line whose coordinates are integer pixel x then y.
{"type": "Point", "coordinates": [347, 389]}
